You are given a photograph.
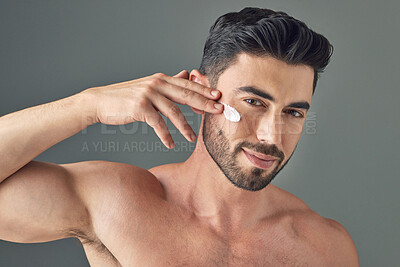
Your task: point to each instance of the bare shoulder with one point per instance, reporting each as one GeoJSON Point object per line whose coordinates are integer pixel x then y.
{"type": "Point", "coordinates": [108, 189]}
{"type": "Point", "coordinates": [108, 178]}
{"type": "Point", "coordinates": [325, 235]}
{"type": "Point", "coordinates": [343, 249]}
{"type": "Point", "coordinates": [331, 238]}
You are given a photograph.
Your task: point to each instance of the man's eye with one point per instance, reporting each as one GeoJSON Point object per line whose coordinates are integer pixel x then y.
{"type": "Point", "coordinates": [295, 113]}
{"type": "Point", "coordinates": [253, 102]}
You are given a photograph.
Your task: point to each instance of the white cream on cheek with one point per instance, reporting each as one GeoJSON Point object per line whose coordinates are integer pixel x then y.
{"type": "Point", "coordinates": [231, 114]}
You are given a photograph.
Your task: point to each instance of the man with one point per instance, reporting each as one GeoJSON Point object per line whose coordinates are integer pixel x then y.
{"type": "Point", "coordinates": [217, 208]}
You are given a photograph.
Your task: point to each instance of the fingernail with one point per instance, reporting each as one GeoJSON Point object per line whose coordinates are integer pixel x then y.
{"type": "Point", "coordinates": [171, 145]}
{"type": "Point", "coordinates": [193, 137]}
{"type": "Point", "coordinates": [214, 92]}
{"type": "Point", "coordinates": [218, 106]}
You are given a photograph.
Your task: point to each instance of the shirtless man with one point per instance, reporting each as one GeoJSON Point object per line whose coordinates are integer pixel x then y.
{"type": "Point", "coordinates": [218, 207]}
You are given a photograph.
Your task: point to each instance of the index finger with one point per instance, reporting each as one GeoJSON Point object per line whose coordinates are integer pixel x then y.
{"type": "Point", "coordinates": [193, 86]}
{"type": "Point", "coordinates": [189, 97]}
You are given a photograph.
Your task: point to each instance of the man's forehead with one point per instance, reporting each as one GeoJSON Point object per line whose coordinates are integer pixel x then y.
{"type": "Point", "coordinates": [275, 77]}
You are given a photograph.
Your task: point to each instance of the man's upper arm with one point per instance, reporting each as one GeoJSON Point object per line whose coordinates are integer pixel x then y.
{"type": "Point", "coordinates": [40, 203]}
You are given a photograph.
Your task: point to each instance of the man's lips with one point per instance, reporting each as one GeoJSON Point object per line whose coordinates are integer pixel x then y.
{"type": "Point", "coordinates": [265, 163]}
{"type": "Point", "coordinates": [260, 156]}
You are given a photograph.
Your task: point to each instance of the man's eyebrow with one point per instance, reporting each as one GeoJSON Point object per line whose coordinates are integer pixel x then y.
{"type": "Point", "coordinates": [252, 90]}
{"type": "Point", "coordinates": [303, 105]}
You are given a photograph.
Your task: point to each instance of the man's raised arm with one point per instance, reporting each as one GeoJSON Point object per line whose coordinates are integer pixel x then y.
{"type": "Point", "coordinates": [32, 193]}
{"type": "Point", "coordinates": [27, 133]}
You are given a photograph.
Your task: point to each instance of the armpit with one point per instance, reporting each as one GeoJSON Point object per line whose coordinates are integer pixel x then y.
{"type": "Point", "coordinates": [92, 241]}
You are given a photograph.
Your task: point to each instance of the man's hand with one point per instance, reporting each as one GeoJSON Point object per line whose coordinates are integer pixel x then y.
{"type": "Point", "coordinates": [142, 99]}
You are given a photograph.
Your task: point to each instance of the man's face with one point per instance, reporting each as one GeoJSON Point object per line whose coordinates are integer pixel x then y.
{"type": "Point", "coordinates": [272, 98]}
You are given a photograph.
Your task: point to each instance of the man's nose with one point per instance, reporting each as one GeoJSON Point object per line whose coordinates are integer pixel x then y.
{"type": "Point", "coordinates": [269, 129]}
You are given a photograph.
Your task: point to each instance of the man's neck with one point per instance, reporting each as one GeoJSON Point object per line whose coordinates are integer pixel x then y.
{"type": "Point", "coordinates": [203, 188]}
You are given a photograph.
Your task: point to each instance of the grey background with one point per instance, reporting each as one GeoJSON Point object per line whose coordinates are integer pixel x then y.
{"type": "Point", "coordinates": [346, 165]}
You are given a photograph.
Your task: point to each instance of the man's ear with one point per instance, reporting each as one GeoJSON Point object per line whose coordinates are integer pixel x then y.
{"type": "Point", "coordinates": [196, 76]}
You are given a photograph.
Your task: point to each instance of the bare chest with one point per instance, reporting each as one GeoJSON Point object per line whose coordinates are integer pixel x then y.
{"type": "Point", "coordinates": [195, 247]}
{"type": "Point", "coordinates": [138, 229]}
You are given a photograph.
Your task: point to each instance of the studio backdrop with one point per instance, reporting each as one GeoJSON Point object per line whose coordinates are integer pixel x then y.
{"type": "Point", "coordinates": [346, 165]}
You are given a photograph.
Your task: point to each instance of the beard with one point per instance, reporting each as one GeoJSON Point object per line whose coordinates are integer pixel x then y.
{"type": "Point", "coordinates": [217, 145]}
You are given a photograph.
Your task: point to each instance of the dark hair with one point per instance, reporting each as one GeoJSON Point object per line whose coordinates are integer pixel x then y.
{"type": "Point", "coordinates": [263, 32]}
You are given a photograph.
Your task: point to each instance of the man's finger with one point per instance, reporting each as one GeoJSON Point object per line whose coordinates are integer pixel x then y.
{"type": "Point", "coordinates": [189, 97]}
{"type": "Point", "coordinates": [197, 110]}
{"type": "Point", "coordinates": [184, 74]}
{"type": "Point", "coordinates": [175, 115]}
{"type": "Point", "coordinates": [154, 120]}
{"type": "Point", "coordinates": [193, 86]}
